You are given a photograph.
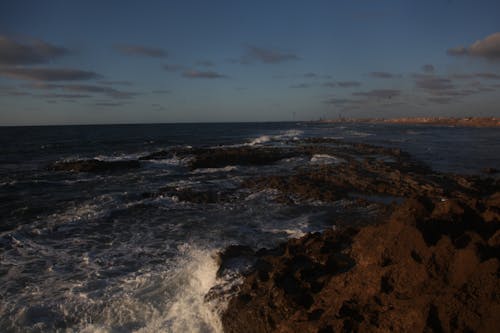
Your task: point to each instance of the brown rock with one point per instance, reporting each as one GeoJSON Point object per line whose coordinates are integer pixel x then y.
{"type": "Point", "coordinates": [383, 278]}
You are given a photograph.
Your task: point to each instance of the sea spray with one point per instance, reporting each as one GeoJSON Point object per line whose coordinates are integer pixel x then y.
{"type": "Point", "coordinates": [172, 302]}
{"type": "Point", "coordinates": [189, 312]}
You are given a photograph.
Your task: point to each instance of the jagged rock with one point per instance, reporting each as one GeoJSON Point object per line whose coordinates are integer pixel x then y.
{"type": "Point", "coordinates": [384, 277]}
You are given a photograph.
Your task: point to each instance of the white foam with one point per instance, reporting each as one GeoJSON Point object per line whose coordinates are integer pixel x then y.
{"type": "Point", "coordinates": [326, 159]}
{"type": "Point", "coordinates": [189, 312]}
{"type": "Point", "coordinates": [173, 161]}
{"type": "Point", "coordinates": [359, 134]}
{"type": "Point", "coordinates": [292, 134]}
{"type": "Point", "coordinates": [292, 233]}
{"type": "Point", "coordinates": [169, 301]}
{"type": "Point", "coordinates": [118, 157]}
{"type": "Point", "coordinates": [292, 228]}
{"type": "Point", "coordinates": [227, 168]}
{"type": "Point", "coordinates": [267, 194]}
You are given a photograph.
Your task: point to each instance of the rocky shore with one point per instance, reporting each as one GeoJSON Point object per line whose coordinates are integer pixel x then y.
{"type": "Point", "coordinates": [431, 267]}
{"type": "Point", "coordinates": [427, 261]}
{"type": "Point", "coordinates": [428, 264]}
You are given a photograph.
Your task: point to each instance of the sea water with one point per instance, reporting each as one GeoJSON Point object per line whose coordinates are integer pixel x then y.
{"type": "Point", "coordinates": [91, 253]}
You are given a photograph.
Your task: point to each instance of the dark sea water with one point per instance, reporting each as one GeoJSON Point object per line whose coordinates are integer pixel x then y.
{"type": "Point", "coordinates": [90, 253]}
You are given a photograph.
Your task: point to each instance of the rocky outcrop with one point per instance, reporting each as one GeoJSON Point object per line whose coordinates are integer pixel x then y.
{"type": "Point", "coordinates": [432, 267]}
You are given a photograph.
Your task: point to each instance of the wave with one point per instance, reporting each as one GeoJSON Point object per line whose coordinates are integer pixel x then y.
{"type": "Point", "coordinates": [359, 134]}
{"type": "Point", "coordinates": [171, 300]}
{"type": "Point", "coordinates": [173, 161]}
{"type": "Point", "coordinates": [326, 159]}
{"type": "Point", "coordinates": [292, 134]}
{"type": "Point", "coordinates": [227, 168]}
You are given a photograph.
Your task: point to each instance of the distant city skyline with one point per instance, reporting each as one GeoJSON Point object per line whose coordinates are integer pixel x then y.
{"type": "Point", "coordinates": [114, 62]}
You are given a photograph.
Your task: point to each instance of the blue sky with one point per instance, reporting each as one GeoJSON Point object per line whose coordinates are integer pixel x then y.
{"type": "Point", "coordinates": [86, 62]}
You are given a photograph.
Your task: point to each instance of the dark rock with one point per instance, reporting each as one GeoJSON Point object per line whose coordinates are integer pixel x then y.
{"type": "Point", "coordinates": [162, 154]}
{"type": "Point", "coordinates": [490, 170]}
{"type": "Point", "coordinates": [393, 279]}
{"type": "Point", "coordinates": [235, 257]}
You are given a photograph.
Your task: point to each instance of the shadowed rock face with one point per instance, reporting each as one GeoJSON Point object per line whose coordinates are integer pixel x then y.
{"type": "Point", "coordinates": [431, 265]}
{"type": "Point", "coordinates": [399, 275]}
{"type": "Point", "coordinates": [95, 166]}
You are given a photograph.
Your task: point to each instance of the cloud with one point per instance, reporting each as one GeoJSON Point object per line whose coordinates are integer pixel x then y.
{"type": "Point", "coordinates": [172, 68]}
{"type": "Point", "coordinates": [379, 93]}
{"type": "Point", "coordinates": [342, 84]}
{"type": "Point", "coordinates": [300, 85]}
{"type": "Point", "coordinates": [341, 101]}
{"type": "Point", "coordinates": [440, 100]}
{"type": "Point", "coordinates": [161, 91]}
{"type": "Point", "coordinates": [486, 89]}
{"type": "Point", "coordinates": [310, 75]}
{"type": "Point", "coordinates": [383, 75]}
{"type": "Point", "coordinates": [432, 83]}
{"type": "Point", "coordinates": [12, 91]}
{"type": "Point", "coordinates": [108, 104]}
{"type": "Point", "coordinates": [194, 74]}
{"type": "Point", "coordinates": [441, 87]}
{"type": "Point", "coordinates": [139, 50]}
{"type": "Point", "coordinates": [428, 68]}
{"type": "Point", "coordinates": [266, 56]}
{"type": "Point", "coordinates": [48, 74]}
{"type": "Point", "coordinates": [13, 53]}
{"type": "Point", "coordinates": [488, 76]}
{"type": "Point", "coordinates": [205, 63]}
{"type": "Point", "coordinates": [111, 92]}
{"type": "Point", "coordinates": [455, 93]}
{"type": "Point", "coordinates": [491, 76]}
{"type": "Point", "coordinates": [71, 96]}
{"type": "Point", "coordinates": [116, 83]}
{"type": "Point", "coordinates": [158, 107]}
{"type": "Point", "coordinates": [87, 89]}
{"type": "Point", "coordinates": [488, 48]}
{"type": "Point", "coordinates": [463, 76]}
{"type": "Point", "coordinates": [348, 84]}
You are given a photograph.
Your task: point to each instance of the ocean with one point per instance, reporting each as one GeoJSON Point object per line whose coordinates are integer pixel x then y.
{"type": "Point", "coordinates": [111, 252]}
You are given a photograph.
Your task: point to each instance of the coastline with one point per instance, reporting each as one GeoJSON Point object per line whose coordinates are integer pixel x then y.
{"type": "Point", "coordinates": [246, 194]}
{"type": "Point", "coordinates": [438, 121]}
{"type": "Point", "coordinates": [429, 263]}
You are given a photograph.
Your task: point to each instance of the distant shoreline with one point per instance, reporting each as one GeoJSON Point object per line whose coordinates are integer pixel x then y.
{"type": "Point", "coordinates": [443, 121]}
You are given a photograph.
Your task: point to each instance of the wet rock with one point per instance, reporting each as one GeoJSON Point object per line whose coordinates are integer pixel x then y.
{"type": "Point", "coordinates": [162, 154]}
{"type": "Point", "coordinates": [490, 171]}
{"type": "Point", "coordinates": [236, 258]}
{"type": "Point", "coordinates": [95, 166]}
{"type": "Point", "coordinates": [384, 277]}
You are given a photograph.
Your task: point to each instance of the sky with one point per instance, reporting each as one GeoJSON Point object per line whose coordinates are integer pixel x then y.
{"type": "Point", "coordinates": [111, 62]}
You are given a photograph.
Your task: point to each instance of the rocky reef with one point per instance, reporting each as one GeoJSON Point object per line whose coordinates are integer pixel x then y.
{"type": "Point", "coordinates": [432, 267]}
{"type": "Point", "coordinates": [428, 263]}
{"type": "Point", "coordinates": [428, 260]}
